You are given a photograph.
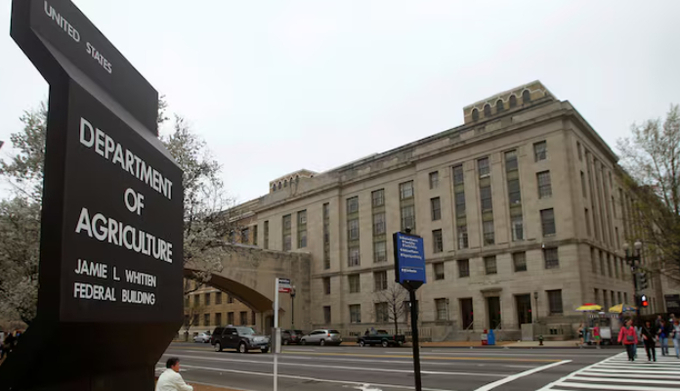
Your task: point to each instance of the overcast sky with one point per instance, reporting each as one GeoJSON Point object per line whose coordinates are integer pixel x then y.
{"type": "Point", "coordinates": [276, 86]}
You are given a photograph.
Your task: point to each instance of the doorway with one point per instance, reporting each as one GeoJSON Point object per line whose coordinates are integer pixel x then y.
{"type": "Point", "coordinates": [466, 315]}
{"type": "Point", "coordinates": [493, 305]}
{"type": "Point", "coordinates": [523, 309]}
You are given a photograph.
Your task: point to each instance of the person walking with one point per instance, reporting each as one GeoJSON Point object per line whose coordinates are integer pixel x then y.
{"type": "Point", "coordinates": [580, 335]}
{"type": "Point", "coordinates": [596, 334]}
{"type": "Point", "coordinates": [170, 379]}
{"type": "Point", "coordinates": [628, 338]}
{"type": "Point", "coordinates": [649, 339]}
{"type": "Point", "coordinates": [676, 337]}
{"type": "Point", "coordinates": [663, 333]}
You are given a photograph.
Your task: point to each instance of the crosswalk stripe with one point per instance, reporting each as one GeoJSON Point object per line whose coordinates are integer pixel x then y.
{"type": "Point", "coordinates": [614, 380]}
{"type": "Point", "coordinates": [631, 375]}
{"type": "Point", "coordinates": [617, 387]}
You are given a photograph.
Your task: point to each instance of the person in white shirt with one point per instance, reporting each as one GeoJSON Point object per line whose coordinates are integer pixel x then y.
{"type": "Point", "coordinates": [171, 380]}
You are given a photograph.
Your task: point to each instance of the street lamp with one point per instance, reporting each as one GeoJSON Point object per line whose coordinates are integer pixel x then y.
{"type": "Point", "coordinates": [633, 260]}
{"type": "Point", "coordinates": [292, 307]}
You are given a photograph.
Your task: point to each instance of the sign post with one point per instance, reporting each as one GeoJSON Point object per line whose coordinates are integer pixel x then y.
{"type": "Point", "coordinates": [111, 257]}
{"type": "Point", "coordinates": [409, 271]}
{"type": "Point", "coordinates": [282, 285]}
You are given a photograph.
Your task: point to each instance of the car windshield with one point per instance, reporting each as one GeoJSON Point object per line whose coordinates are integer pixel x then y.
{"type": "Point", "coordinates": [246, 330]}
{"type": "Point", "coordinates": [333, 332]}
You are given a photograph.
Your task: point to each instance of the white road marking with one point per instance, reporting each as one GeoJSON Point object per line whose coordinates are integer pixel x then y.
{"type": "Point", "coordinates": [510, 378]}
{"type": "Point", "coordinates": [306, 378]}
{"type": "Point", "coordinates": [629, 380]}
{"type": "Point", "coordinates": [369, 369]}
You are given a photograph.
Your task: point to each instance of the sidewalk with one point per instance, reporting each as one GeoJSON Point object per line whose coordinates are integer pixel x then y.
{"type": "Point", "coordinates": [502, 344]}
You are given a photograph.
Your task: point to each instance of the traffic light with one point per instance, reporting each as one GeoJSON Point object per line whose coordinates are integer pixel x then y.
{"type": "Point", "coordinates": [643, 301]}
{"type": "Point", "coordinates": [643, 283]}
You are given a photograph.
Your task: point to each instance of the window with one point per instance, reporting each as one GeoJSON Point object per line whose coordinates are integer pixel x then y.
{"type": "Point", "coordinates": [285, 183]}
{"type": "Point", "coordinates": [580, 153]}
{"type": "Point", "coordinates": [327, 314]}
{"type": "Point", "coordinates": [302, 238]}
{"type": "Point", "coordinates": [485, 196]}
{"type": "Point", "coordinates": [514, 193]}
{"type": "Point", "coordinates": [380, 280]}
{"type": "Point", "coordinates": [458, 175]}
{"type": "Point", "coordinates": [587, 222]}
{"type": "Point", "coordinates": [475, 115]}
{"type": "Point", "coordinates": [462, 237]}
{"type": "Point", "coordinates": [194, 321]}
{"type": "Point", "coordinates": [488, 229]}
{"type": "Point", "coordinates": [302, 217]}
{"type": "Point", "coordinates": [625, 297]}
{"type": "Point", "coordinates": [186, 301]}
{"type": "Point", "coordinates": [436, 207]}
{"type": "Point", "coordinates": [618, 295]}
{"type": "Point", "coordinates": [406, 190]}
{"type": "Point", "coordinates": [526, 97]}
{"type": "Point", "coordinates": [441, 307]}
{"type": "Point", "coordinates": [230, 299]}
{"type": "Point", "coordinates": [218, 319]}
{"type": "Point", "coordinates": [408, 218]}
{"type": "Point", "coordinates": [583, 185]}
{"type": "Point", "coordinates": [244, 318]}
{"type": "Point", "coordinates": [437, 241]}
{"type": "Point", "coordinates": [378, 198]}
{"type": "Point", "coordinates": [550, 258]}
{"type": "Point", "coordinates": [540, 151]}
{"type": "Point", "coordinates": [548, 222]}
{"type": "Point", "coordinates": [490, 265]}
{"type": "Point", "coordinates": [326, 236]}
{"type": "Point", "coordinates": [616, 233]}
{"type": "Point", "coordinates": [245, 236]}
{"type": "Point", "coordinates": [286, 222]}
{"type": "Point", "coordinates": [327, 285]}
{"type": "Point", "coordinates": [555, 301]}
{"type": "Point", "coordinates": [381, 314]}
{"type": "Point", "coordinates": [302, 229]}
{"type": "Point", "coordinates": [438, 269]}
{"type": "Point", "coordinates": [613, 207]}
{"type": "Point", "coordinates": [434, 180]}
{"type": "Point", "coordinates": [483, 167]}
{"type": "Point", "coordinates": [517, 228]}
{"type": "Point", "coordinates": [197, 300]}
{"type": "Point", "coordinates": [230, 318]}
{"type": "Point", "coordinates": [354, 283]}
{"type": "Point", "coordinates": [355, 313]}
{"type": "Point", "coordinates": [206, 319]}
{"type": "Point", "coordinates": [286, 242]}
{"type": "Point", "coordinates": [499, 106]}
{"type": "Point", "coordinates": [266, 234]}
{"type": "Point", "coordinates": [544, 185]}
{"type": "Point", "coordinates": [218, 298]}
{"type": "Point", "coordinates": [352, 205]}
{"type": "Point", "coordinates": [513, 101]}
{"type": "Point", "coordinates": [487, 110]}
{"type": "Point", "coordinates": [353, 229]}
{"type": "Point", "coordinates": [460, 204]}
{"type": "Point", "coordinates": [463, 268]}
{"type": "Point", "coordinates": [379, 224]}
{"type": "Point", "coordinates": [255, 235]}
{"type": "Point", "coordinates": [379, 251]}
{"type": "Point", "coordinates": [520, 261]}
{"type": "Point", "coordinates": [207, 299]}
{"type": "Point", "coordinates": [609, 266]}
{"type": "Point", "coordinates": [353, 256]}
{"type": "Point", "coordinates": [511, 161]}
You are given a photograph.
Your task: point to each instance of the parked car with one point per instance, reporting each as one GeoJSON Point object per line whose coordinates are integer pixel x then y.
{"type": "Point", "coordinates": [322, 337]}
{"type": "Point", "coordinates": [381, 337]}
{"type": "Point", "coordinates": [202, 338]}
{"type": "Point", "coordinates": [291, 336]}
{"type": "Point", "coordinates": [239, 338]}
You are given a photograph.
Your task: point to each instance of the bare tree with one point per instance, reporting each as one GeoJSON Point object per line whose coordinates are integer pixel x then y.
{"type": "Point", "coordinates": [192, 314]}
{"type": "Point", "coordinates": [651, 157]}
{"type": "Point", "coordinates": [394, 303]}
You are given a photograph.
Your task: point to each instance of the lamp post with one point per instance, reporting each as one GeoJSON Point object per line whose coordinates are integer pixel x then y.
{"type": "Point", "coordinates": [292, 307]}
{"type": "Point", "coordinates": [633, 260]}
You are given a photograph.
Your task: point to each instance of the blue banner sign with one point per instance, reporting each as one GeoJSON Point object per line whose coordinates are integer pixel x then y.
{"type": "Point", "coordinates": [409, 258]}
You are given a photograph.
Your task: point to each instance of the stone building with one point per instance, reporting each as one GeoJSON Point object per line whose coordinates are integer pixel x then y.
{"type": "Point", "coordinates": [521, 209]}
{"type": "Point", "coordinates": [207, 307]}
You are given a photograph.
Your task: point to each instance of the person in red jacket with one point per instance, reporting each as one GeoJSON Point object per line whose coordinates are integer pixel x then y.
{"type": "Point", "coordinates": [628, 337]}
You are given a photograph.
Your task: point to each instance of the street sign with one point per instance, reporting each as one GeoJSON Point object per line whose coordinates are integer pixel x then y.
{"type": "Point", "coordinates": [672, 303]}
{"type": "Point", "coordinates": [284, 285]}
{"type": "Point", "coordinates": [409, 259]}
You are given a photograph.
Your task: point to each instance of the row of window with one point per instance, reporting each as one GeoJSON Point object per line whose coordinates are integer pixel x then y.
{"type": "Point", "coordinates": [207, 299]}
{"type": "Point", "coordinates": [500, 107]}
{"type": "Point", "coordinates": [193, 320]}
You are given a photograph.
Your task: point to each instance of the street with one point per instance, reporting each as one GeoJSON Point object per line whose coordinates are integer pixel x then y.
{"type": "Point", "coordinates": [316, 368]}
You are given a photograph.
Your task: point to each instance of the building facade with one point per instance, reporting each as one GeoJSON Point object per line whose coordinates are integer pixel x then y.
{"type": "Point", "coordinates": [206, 308]}
{"type": "Point", "coordinates": [521, 208]}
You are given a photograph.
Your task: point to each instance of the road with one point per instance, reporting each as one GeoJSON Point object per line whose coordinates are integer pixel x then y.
{"type": "Point", "coordinates": [316, 368]}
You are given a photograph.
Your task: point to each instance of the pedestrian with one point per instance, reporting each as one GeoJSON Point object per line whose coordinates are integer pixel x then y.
{"type": "Point", "coordinates": [676, 337]}
{"type": "Point", "coordinates": [663, 332]}
{"type": "Point", "coordinates": [628, 338]}
{"type": "Point", "coordinates": [649, 339]}
{"type": "Point", "coordinates": [580, 334]}
{"type": "Point", "coordinates": [658, 320]}
{"type": "Point", "coordinates": [170, 379]}
{"type": "Point", "coordinates": [596, 334]}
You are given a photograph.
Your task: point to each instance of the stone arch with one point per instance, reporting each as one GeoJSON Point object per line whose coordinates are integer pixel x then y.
{"type": "Point", "coordinates": [248, 296]}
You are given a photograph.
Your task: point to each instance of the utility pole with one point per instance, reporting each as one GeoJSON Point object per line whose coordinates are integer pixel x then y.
{"type": "Point", "coordinates": [633, 259]}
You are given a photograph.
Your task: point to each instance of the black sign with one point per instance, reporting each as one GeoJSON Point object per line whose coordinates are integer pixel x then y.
{"type": "Point", "coordinates": [63, 29]}
{"type": "Point", "coordinates": [672, 303]}
{"type": "Point", "coordinates": [111, 246]}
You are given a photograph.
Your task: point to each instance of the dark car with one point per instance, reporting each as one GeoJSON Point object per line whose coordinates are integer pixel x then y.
{"type": "Point", "coordinates": [289, 337]}
{"type": "Point", "coordinates": [381, 337]}
{"type": "Point", "coordinates": [239, 338]}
